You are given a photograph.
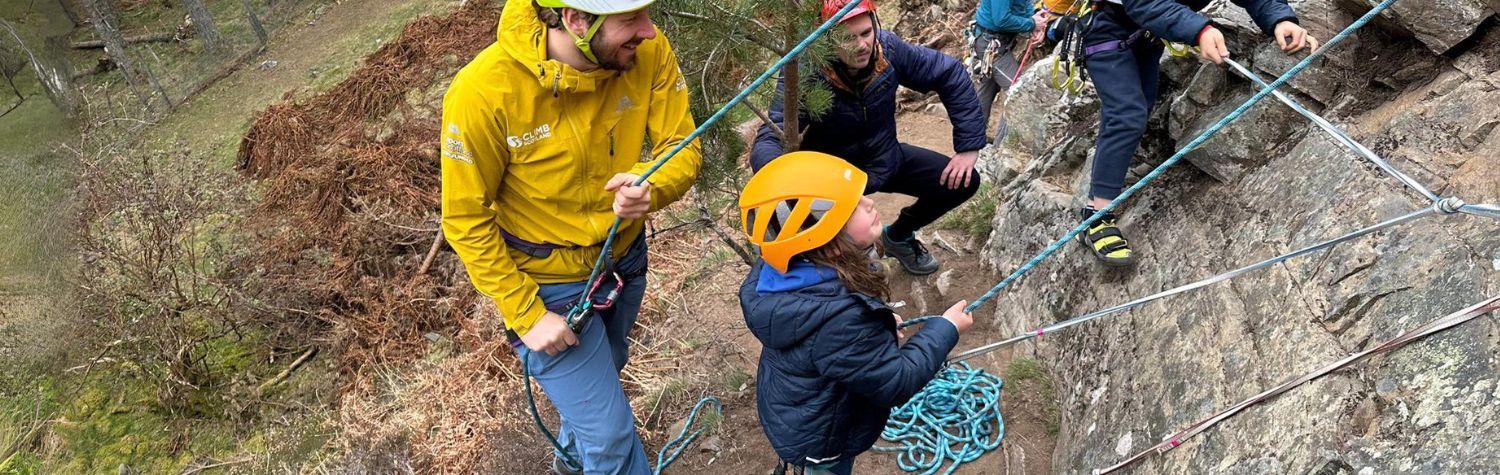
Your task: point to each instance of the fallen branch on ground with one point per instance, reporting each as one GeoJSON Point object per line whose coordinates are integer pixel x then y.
{"type": "Point", "coordinates": [286, 373]}
{"type": "Point", "coordinates": [148, 38]}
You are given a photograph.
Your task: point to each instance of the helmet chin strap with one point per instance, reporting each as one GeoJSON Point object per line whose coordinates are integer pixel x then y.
{"type": "Point", "coordinates": [583, 41]}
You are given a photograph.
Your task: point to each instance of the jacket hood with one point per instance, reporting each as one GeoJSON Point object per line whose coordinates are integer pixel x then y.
{"type": "Point", "coordinates": [523, 36]}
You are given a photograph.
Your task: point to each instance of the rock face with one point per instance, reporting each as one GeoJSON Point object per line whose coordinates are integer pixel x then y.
{"type": "Point", "coordinates": [1439, 25]}
{"type": "Point", "coordinates": [1268, 185]}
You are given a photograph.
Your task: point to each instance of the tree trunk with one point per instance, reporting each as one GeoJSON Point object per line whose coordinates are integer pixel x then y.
{"type": "Point", "coordinates": [791, 106]}
{"type": "Point", "coordinates": [203, 23]}
{"type": "Point", "coordinates": [260, 31]}
{"type": "Point", "coordinates": [101, 14]}
{"type": "Point", "coordinates": [54, 74]}
{"type": "Point", "coordinates": [72, 11]}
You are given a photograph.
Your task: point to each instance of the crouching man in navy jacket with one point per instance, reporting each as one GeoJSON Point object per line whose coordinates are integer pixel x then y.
{"type": "Point", "coordinates": [860, 127]}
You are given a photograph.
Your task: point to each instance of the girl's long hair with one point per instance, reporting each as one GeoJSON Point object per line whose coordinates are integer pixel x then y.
{"type": "Point", "coordinates": [855, 267]}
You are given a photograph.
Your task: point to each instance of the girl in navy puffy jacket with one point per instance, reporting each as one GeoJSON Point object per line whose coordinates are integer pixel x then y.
{"type": "Point", "coordinates": [832, 367]}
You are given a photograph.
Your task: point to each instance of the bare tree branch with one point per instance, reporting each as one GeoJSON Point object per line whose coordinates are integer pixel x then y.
{"type": "Point", "coordinates": [765, 119]}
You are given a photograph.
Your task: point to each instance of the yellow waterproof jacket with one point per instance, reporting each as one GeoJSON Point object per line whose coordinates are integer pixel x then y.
{"type": "Point", "coordinates": [528, 144]}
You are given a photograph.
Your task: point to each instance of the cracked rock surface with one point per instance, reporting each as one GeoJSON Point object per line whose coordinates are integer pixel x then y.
{"type": "Point", "coordinates": [1271, 184]}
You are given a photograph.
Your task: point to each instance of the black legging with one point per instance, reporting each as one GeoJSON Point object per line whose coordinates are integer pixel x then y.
{"type": "Point", "coordinates": [917, 176]}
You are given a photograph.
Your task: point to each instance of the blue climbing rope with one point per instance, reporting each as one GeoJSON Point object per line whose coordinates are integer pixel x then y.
{"type": "Point", "coordinates": [917, 321]}
{"type": "Point", "coordinates": [954, 420]}
{"type": "Point", "coordinates": [1433, 210]}
{"type": "Point", "coordinates": [953, 434]}
{"type": "Point", "coordinates": [536, 416]}
{"type": "Point", "coordinates": [1203, 137]}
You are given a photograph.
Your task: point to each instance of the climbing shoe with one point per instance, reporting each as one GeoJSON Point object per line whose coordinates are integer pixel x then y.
{"type": "Point", "coordinates": [1106, 241]}
{"type": "Point", "coordinates": [561, 467]}
{"type": "Point", "coordinates": [911, 253]}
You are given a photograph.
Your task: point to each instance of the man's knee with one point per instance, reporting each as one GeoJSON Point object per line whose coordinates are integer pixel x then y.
{"type": "Point", "coordinates": [973, 187]}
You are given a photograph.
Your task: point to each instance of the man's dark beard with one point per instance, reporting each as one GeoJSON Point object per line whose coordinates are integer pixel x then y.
{"type": "Point", "coordinates": [607, 56]}
{"type": "Point", "coordinates": [856, 78]}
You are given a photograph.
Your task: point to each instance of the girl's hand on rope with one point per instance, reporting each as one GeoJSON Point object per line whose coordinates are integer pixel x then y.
{"type": "Point", "coordinates": [631, 202]}
{"type": "Point", "coordinates": [956, 314]}
{"type": "Point", "coordinates": [1211, 45]}
{"type": "Point", "coordinates": [900, 335]}
{"type": "Point", "coordinates": [1291, 37]}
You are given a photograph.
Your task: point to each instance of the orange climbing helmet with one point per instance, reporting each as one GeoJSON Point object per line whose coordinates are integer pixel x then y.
{"type": "Point", "coordinates": [799, 202]}
{"type": "Point", "coordinates": [832, 7]}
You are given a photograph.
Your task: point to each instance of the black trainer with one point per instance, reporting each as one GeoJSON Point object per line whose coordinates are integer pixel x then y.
{"type": "Point", "coordinates": [911, 253]}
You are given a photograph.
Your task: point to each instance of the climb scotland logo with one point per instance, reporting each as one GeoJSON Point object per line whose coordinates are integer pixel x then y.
{"type": "Point", "coordinates": [542, 132]}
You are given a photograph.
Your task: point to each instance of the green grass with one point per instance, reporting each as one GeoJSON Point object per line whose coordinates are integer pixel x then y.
{"type": "Point", "coordinates": [737, 380]}
{"type": "Point", "coordinates": [111, 417]}
{"type": "Point", "coordinates": [710, 420]}
{"type": "Point", "coordinates": [975, 217]}
{"type": "Point", "coordinates": [672, 390]}
{"type": "Point", "coordinates": [1026, 372]}
{"type": "Point", "coordinates": [33, 180]}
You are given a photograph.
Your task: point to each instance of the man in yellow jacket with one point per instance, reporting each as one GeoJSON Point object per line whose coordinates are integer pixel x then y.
{"type": "Point", "coordinates": [544, 133]}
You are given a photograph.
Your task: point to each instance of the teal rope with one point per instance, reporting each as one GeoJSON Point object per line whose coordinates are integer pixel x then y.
{"type": "Point", "coordinates": [677, 445]}
{"type": "Point", "coordinates": [1203, 137]}
{"type": "Point", "coordinates": [684, 439]}
{"type": "Point", "coordinates": [954, 420]}
{"type": "Point", "coordinates": [917, 321]}
{"type": "Point", "coordinates": [537, 416]}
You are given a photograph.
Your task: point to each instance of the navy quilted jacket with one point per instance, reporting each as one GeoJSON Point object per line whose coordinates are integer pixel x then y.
{"type": "Point", "coordinates": [860, 126]}
{"type": "Point", "coordinates": [831, 368]}
{"type": "Point", "coordinates": [1179, 20]}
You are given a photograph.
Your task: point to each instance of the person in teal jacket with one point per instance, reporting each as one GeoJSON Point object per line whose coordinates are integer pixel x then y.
{"type": "Point", "coordinates": [997, 25]}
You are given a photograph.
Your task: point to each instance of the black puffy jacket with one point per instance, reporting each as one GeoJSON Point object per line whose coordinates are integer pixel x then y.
{"type": "Point", "coordinates": [831, 368]}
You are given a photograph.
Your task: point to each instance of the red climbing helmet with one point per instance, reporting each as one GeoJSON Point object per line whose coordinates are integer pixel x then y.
{"type": "Point", "coordinates": [832, 7]}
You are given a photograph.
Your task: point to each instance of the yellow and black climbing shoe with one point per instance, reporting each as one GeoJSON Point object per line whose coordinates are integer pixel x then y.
{"type": "Point", "coordinates": [1106, 241]}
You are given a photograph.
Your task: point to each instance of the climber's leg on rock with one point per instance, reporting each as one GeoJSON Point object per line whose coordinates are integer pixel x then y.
{"type": "Point", "coordinates": [998, 80]}
{"type": "Point", "coordinates": [1127, 83]}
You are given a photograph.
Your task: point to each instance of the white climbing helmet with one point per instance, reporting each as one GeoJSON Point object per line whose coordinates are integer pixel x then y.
{"type": "Point", "coordinates": [598, 7]}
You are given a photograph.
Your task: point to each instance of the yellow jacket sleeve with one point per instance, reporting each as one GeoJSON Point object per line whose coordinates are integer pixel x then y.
{"type": "Point", "coordinates": [669, 122]}
{"type": "Point", "coordinates": [474, 159]}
